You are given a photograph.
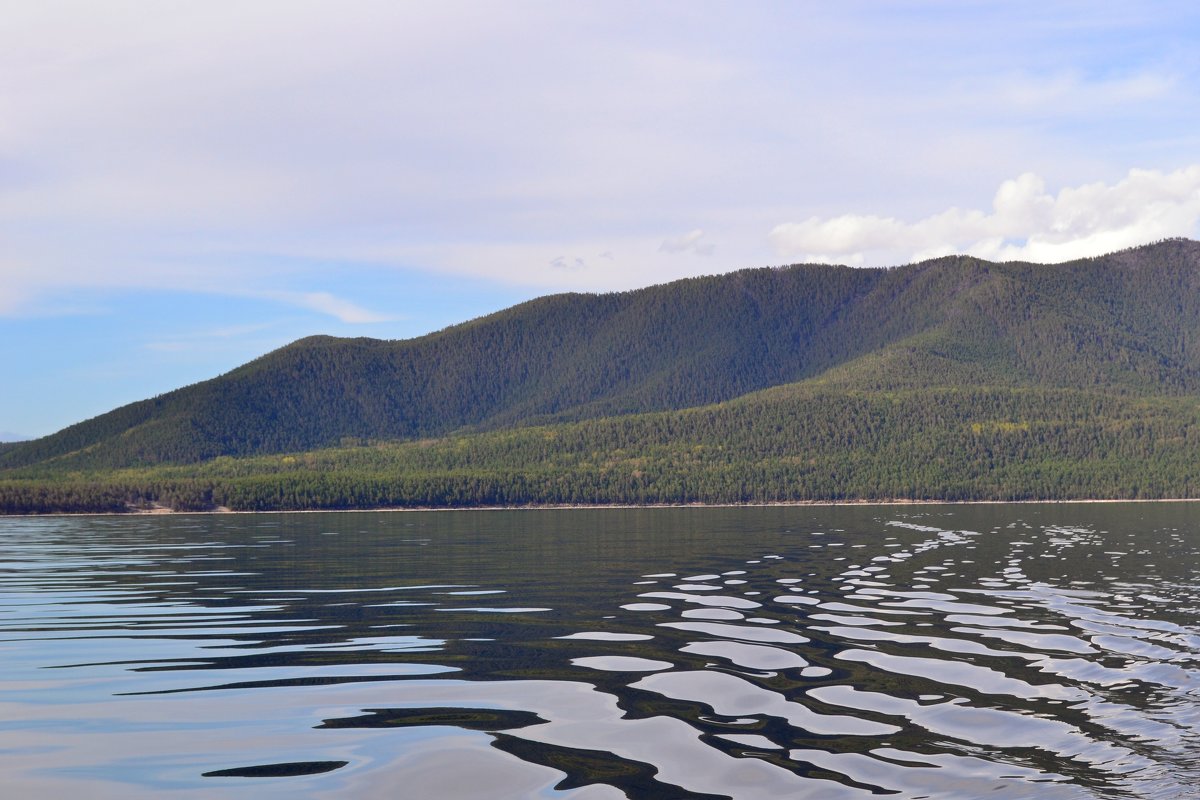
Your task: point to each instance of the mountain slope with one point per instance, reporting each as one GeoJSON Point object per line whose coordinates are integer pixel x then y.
{"type": "Point", "coordinates": [1127, 323]}
{"type": "Point", "coordinates": [800, 442]}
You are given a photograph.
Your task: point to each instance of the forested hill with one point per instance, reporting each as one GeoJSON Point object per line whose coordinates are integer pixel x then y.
{"type": "Point", "coordinates": [1126, 323]}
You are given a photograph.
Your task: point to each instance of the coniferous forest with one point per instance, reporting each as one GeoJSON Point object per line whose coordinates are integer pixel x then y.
{"type": "Point", "coordinates": [951, 379]}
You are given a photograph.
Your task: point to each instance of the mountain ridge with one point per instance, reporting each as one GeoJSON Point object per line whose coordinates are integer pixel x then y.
{"type": "Point", "coordinates": [1124, 323]}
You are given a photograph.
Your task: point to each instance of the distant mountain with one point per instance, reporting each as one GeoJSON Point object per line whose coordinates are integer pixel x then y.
{"type": "Point", "coordinates": [1125, 324]}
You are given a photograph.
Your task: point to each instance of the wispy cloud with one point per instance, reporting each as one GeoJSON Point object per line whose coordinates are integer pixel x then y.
{"type": "Point", "coordinates": [562, 262]}
{"type": "Point", "coordinates": [1071, 92]}
{"type": "Point", "coordinates": [14, 299]}
{"type": "Point", "coordinates": [1025, 223]}
{"type": "Point", "coordinates": [326, 303]}
{"type": "Point", "coordinates": [689, 242]}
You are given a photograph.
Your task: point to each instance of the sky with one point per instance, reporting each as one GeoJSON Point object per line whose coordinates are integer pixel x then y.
{"type": "Point", "coordinates": [185, 186]}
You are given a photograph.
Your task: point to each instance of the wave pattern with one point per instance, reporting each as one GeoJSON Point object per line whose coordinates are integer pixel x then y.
{"type": "Point", "coordinates": [1006, 652]}
{"type": "Point", "coordinates": [938, 660]}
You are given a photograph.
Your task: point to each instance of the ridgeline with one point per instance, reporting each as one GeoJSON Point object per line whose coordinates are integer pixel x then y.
{"type": "Point", "coordinates": [952, 379]}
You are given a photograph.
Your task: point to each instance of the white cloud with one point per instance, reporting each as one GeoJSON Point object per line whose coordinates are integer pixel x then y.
{"type": "Point", "coordinates": [1025, 223]}
{"type": "Point", "coordinates": [689, 242]}
{"type": "Point", "coordinates": [326, 303]}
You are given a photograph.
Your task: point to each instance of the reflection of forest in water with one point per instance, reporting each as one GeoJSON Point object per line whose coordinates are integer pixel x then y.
{"type": "Point", "coordinates": [840, 651]}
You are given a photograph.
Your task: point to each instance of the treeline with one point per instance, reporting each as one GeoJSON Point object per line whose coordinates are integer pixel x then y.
{"type": "Point", "coordinates": [795, 443]}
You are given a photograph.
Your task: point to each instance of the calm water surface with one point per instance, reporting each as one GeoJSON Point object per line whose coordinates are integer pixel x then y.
{"type": "Point", "coordinates": [936, 651]}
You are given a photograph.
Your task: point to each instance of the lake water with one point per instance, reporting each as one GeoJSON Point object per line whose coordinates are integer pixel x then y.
{"type": "Point", "coordinates": [1005, 651]}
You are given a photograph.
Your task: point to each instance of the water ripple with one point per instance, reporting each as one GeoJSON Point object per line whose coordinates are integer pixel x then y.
{"type": "Point", "coordinates": [1012, 652]}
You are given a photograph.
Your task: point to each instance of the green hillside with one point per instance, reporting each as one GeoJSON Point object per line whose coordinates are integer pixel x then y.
{"type": "Point", "coordinates": [1124, 323]}
{"type": "Point", "coordinates": [949, 379]}
{"type": "Point", "coordinates": [560, 357]}
{"type": "Point", "coordinates": [792, 443]}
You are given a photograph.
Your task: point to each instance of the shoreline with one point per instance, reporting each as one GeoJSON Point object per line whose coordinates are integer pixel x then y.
{"type": "Point", "coordinates": [165, 511]}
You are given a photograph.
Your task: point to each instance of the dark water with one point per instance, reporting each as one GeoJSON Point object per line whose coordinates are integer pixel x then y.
{"type": "Point", "coordinates": [937, 651]}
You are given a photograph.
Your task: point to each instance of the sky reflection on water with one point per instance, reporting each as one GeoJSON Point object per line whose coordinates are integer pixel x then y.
{"type": "Point", "coordinates": [932, 651]}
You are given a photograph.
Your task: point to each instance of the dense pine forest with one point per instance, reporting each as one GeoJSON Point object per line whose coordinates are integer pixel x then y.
{"type": "Point", "coordinates": [951, 379]}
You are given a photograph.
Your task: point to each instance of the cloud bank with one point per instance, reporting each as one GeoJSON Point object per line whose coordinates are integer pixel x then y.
{"type": "Point", "coordinates": [1025, 223]}
{"type": "Point", "coordinates": [226, 148]}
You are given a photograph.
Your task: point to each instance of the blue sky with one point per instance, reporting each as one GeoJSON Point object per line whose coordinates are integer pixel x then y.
{"type": "Point", "coordinates": [185, 186]}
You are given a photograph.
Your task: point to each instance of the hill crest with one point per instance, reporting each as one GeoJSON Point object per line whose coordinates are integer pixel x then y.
{"type": "Point", "coordinates": [1128, 322]}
